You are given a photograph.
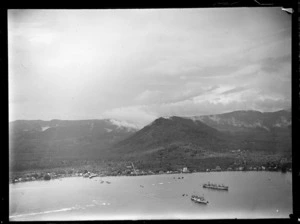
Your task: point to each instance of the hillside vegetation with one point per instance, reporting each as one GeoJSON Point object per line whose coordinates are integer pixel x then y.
{"type": "Point", "coordinates": [199, 142]}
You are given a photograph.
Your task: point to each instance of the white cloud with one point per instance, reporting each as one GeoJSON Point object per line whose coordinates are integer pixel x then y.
{"type": "Point", "coordinates": [69, 63]}
{"type": "Point", "coordinates": [137, 115]}
{"type": "Point", "coordinates": [248, 70]}
{"type": "Point", "coordinates": [212, 102]}
{"type": "Point", "coordinates": [125, 124]}
{"type": "Point", "coordinates": [214, 95]}
{"type": "Point", "coordinates": [149, 96]}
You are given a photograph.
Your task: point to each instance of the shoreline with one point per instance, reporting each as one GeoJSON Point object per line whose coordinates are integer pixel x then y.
{"type": "Point", "coordinates": [28, 177]}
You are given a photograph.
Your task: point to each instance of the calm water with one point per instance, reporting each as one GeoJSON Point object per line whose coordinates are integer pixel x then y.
{"type": "Point", "coordinates": [250, 195]}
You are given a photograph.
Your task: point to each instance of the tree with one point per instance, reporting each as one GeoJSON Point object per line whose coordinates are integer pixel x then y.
{"type": "Point", "coordinates": [47, 177]}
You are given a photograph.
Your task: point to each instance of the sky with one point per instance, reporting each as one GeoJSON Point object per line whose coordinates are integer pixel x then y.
{"type": "Point", "coordinates": [136, 65]}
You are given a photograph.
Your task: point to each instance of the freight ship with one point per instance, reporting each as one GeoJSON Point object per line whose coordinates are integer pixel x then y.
{"type": "Point", "coordinates": [216, 186]}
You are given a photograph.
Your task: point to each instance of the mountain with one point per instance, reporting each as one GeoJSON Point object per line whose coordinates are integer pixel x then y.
{"type": "Point", "coordinates": [237, 121]}
{"type": "Point", "coordinates": [246, 130]}
{"type": "Point", "coordinates": [173, 140]}
{"type": "Point", "coordinates": [268, 131]}
{"type": "Point", "coordinates": [172, 137]}
{"type": "Point", "coordinates": [64, 139]}
{"type": "Point", "coordinates": [164, 131]}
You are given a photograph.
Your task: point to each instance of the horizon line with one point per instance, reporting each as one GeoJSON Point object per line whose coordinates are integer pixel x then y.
{"type": "Point", "coordinates": [286, 109]}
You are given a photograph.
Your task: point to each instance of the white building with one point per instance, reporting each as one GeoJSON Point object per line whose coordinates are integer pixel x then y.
{"type": "Point", "coordinates": [185, 170]}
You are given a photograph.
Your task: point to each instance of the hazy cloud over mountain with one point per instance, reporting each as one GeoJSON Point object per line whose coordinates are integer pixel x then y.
{"type": "Point", "coordinates": [137, 65]}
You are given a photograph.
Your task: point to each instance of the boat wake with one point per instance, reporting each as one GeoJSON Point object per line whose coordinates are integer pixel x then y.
{"type": "Point", "coordinates": [41, 213]}
{"type": "Point", "coordinates": [76, 207]}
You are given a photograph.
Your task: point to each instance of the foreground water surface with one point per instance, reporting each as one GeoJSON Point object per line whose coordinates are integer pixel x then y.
{"type": "Point", "coordinates": [250, 195]}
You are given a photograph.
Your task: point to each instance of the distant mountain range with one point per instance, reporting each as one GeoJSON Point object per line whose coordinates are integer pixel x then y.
{"type": "Point", "coordinates": [64, 139]}
{"type": "Point", "coordinates": [173, 136]}
{"type": "Point", "coordinates": [174, 130]}
{"type": "Point", "coordinates": [246, 120]}
{"type": "Point", "coordinates": [246, 130]}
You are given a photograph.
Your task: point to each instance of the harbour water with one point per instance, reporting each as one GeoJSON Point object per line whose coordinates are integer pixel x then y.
{"type": "Point", "coordinates": [250, 195]}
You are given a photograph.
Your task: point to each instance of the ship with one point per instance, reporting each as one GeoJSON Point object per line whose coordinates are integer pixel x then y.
{"type": "Point", "coordinates": [216, 186]}
{"type": "Point", "coordinates": [92, 175]}
{"type": "Point", "coordinates": [199, 199]}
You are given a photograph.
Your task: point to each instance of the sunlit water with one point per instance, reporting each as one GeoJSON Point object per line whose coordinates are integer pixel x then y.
{"type": "Point", "coordinates": [250, 195]}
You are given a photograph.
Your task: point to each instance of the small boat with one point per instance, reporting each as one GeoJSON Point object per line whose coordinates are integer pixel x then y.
{"type": "Point", "coordinates": [216, 186]}
{"type": "Point", "coordinates": [92, 175]}
{"type": "Point", "coordinates": [199, 199]}
{"type": "Point", "coordinates": [86, 175]}
{"type": "Point", "coordinates": [108, 182]}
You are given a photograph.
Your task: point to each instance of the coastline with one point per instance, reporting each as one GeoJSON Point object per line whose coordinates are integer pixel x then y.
{"type": "Point", "coordinates": [240, 160]}
{"type": "Point", "coordinates": [30, 176]}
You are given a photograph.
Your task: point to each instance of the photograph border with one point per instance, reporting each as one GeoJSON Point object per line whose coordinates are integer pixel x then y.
{"type": "Point", "coordinates": [205, 4]}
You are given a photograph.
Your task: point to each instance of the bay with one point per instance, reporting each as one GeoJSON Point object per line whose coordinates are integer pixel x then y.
{"type": "Point", "coordinates": [250, 195]}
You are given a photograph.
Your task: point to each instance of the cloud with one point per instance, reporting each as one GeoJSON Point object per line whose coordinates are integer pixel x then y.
{"type": "Point", "coordinates": [250, 101]}
{"type": "Point", "coordinates": [137, 115]}
{"type": "Point", "coordinates": [235, 90]}
{"type": "Point", "coordinates": [173, 66]}
{"type": "Point", "coordinates": [121, 124]}
{"type": "Point", "coordinates": [216, 99]}
{"type": "Point", "coordinates": [215, 95]}
{"type": "Point", "coordinates": [149, 96]}
{"type": "Point", "coordinates": [173, 94]}
{"type": "Point", "coordinates": [272, 65]}
{"type": "Point", "coordinates": [142, 64]}
{"type": "Point", "coordinates": [248, 70]}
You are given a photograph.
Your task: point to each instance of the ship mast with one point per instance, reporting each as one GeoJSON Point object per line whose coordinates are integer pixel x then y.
{"type": "Point", "coordinates": [133, 168]}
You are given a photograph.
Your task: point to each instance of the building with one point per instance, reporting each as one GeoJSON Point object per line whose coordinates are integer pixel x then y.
{"type": "Point", "coordinates": [218, 168]}
{"type": "Point", "coordinates": [185, 170]}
